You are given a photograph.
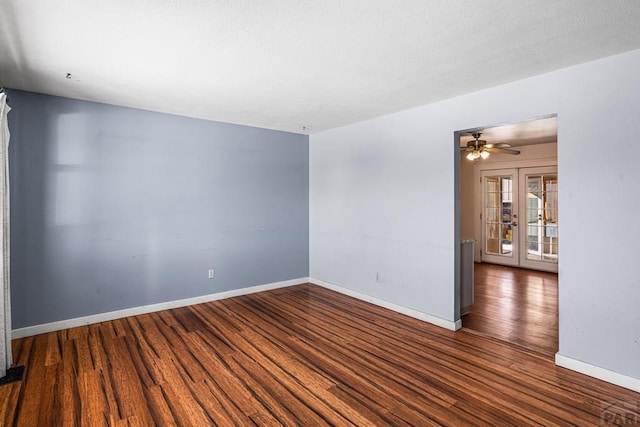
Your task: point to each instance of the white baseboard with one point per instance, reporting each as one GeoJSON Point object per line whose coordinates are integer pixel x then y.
{"type": "Point", "coordinates": [597, 372]}
{"type": "Point", "coordinates": [133, 311]}
{"type": "Point", "coordinates": [447, 324]}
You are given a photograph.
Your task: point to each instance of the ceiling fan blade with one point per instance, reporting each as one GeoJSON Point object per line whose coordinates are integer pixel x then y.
{"type": "Point", "coordinates": [499, 145]}
{"type": "Point", "coordinates": [503, 150]}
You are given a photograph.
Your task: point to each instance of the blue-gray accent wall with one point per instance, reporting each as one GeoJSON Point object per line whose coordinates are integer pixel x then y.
{"type": "Point", "coordinates": [114, 207]}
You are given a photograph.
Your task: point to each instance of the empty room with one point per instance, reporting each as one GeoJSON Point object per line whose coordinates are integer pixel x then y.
{"type": "Point", "coordinates": [319, 213]}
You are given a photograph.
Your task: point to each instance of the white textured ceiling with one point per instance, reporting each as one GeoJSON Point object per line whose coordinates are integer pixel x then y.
{"type": "Point", "coordinates": [297, 65]}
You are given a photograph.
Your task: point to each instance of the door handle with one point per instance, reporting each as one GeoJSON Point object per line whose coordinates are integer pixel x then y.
{"type": "Point", "coordinates": [514, 224]}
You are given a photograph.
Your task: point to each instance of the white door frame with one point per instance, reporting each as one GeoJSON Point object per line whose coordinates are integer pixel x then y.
{"type": "Point", "coordinates": [519, 237]}
{"type": "Point", "coordinates": [481, 167]}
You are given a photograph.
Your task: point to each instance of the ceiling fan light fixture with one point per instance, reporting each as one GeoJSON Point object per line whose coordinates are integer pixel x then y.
{"type": "Point", "coordinates": [477, 154]}
{"type": "Point", "coordinates": [479, 149]}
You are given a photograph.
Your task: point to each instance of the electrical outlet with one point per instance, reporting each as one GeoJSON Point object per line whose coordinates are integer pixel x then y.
{"type": "Point", "coordinates": [378, 277]}
{"type": "Point", "coordinates": [212, 273]}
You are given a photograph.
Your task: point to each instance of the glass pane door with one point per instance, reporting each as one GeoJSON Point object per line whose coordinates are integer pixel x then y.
{"type": "Point", "coordinates": [540, 194]}
{"type": "Point", "coordinates": [499, 217]}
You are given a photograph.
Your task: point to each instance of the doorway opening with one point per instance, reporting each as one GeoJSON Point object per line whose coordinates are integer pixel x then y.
{"type": "Point", "coordinates": [508, 206]}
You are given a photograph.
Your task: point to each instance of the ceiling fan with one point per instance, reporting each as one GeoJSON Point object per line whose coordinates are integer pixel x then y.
{"type": "Point", "coordinates": [478, 148]}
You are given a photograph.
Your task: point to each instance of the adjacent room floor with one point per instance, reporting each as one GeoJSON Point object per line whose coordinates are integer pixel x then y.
{"type": "Point", "coordinates": [516, 305]}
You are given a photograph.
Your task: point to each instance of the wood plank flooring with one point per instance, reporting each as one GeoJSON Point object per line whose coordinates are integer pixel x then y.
{"type": "Point", "coordinates": [301, 355]}
{"type": "Point", "coordinates": [516, 305]}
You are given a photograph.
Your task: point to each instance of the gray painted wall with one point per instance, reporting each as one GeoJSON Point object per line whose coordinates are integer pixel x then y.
{"type": "Point", "coordinates": [383, 194]}
{"type": "Point", "coordinates": [114, 207]}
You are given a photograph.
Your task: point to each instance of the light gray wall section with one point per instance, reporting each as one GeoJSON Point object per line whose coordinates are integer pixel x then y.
{"type": "Point", "coordinates": [114, 207]}
{"type": "Point", "coordinates": [382, 198]}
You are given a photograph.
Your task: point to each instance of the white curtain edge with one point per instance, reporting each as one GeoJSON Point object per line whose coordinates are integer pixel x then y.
{"type": "Point", "coordinates": [6, 356]}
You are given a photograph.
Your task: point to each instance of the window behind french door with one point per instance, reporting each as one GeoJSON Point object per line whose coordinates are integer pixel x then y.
{"type": "Point", "coordinates": [520, 217]}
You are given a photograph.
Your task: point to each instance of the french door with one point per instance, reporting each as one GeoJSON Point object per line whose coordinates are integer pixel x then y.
{"type": "Point", "coordinates": [500, 217]}
{"type": "Point", "coordinates": [520, 217]}
{"type": "Point", "coordinates": [539, 228]}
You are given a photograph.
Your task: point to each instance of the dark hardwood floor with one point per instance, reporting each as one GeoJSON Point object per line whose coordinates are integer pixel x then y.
{"type": "Point", "coordinates": [516, 305]}
{"type": "Point", "coordinates": [301, 355]}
